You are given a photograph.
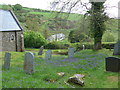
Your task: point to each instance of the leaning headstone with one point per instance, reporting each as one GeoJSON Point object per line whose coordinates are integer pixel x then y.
{"type": "Point", "coordinates": [28, 63]}
{"type": "Point", "coordinates": [40, 50]}
{"type": "Point", "coordinates": [70, 52]}
{"type": "Point", "coordinates": [117, 48]}
{"type": "Point", "coordinates": [113, 64]}
{"type": "Point", "coordinates": [7, 60]}
{"type": "Point", "coordinates": [48, 55]}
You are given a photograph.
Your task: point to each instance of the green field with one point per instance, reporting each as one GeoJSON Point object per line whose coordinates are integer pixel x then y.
{"type": "Point", "coordinates": [49, 15]}
{"type": "Point", "coordinates": [90, 63]}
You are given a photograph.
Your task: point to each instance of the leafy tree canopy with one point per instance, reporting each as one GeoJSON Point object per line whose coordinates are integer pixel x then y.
{"type": "Point", "coordinates": [17, 7]}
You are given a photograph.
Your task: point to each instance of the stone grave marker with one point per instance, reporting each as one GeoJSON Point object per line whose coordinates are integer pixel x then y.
{"type": "Point", "coordinates": [113, 64]}
{"type": "Point", "coordinates": [40, 50]}
{"type": "Point", "coordinates": [7, 60]}
{"type": "Point", "coordinates": [29, 63]}
{"type": "Point", "coordinates": [83, 47]}
{"type": "Point", "coordinates": [77, 79]}
{"type": "Point", "coordinates": [48, 55]}
{"type": "Point", "coordinates": [70, 52]}
{"type": "Point", "coordinates": [34, 54]}
{"type": "Point", "coordinates": [117, 48]}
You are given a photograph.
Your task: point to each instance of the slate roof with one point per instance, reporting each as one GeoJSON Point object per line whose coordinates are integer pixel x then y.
{"type": "Point", "coordinates": [8, 21]}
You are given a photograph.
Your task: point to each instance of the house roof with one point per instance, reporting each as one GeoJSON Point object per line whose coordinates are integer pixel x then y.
{"type": "Point", "coordinates": [8, 21]}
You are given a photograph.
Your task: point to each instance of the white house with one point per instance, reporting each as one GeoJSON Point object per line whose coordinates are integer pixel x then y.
{"type": "Point", "coordinates": [56, 37]}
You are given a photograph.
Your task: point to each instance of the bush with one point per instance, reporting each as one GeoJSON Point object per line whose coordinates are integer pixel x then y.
{"type": "Point", "coordinates": [17, 7]}
{"type": "Point", "coordinates": [108, 37]}
{"type": "Point", "coordinates": [55, 45]}
{"type": "Point", "coordinates": [34, 39]}
{"type": "Point", "coordinates": [108, 45]}
{"type": "Point", "coordinates": [76, 36]}
{"type": "Point", "coordinates": [79, 46]}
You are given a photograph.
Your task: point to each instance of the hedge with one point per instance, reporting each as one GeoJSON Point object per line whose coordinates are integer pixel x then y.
{"type": "Point", "coordinates": [90, 46]}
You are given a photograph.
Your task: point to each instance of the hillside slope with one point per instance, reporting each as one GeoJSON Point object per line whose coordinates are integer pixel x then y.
{"type": "Point", "coordinates": [50, 22]}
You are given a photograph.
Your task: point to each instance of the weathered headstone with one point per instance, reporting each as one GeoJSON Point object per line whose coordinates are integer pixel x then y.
{"type": "Point", "coordinates": [113, 64]}
{"type": "Point", "coordinates": [83, 47]}
{"type": "Point", "coordinates": [48, 55]}
{"type": "Point", "coordinates": [7, 60]}
{"type": "Point", "coordinates": [117, 48]}
{"type": "Point", "coordinates": [77, 79]}
{"type": "Point", "coordinates": [70, 52]}
{"type": "Point", "coordinates": [29, 63]}
{"type": "Point", "coordinates": [40, 50]}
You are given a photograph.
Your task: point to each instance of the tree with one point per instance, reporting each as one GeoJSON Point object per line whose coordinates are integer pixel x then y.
{"type": "Point", "coordinates": [97, 23]}
{"type": "Point", "coordinates": [71, 37]}
{"type": "Point", "coordinates": [17, 7]}
{"type": "Point", "coordinates": [45, 30]}
{"type": "Point", "coordinates": [32, 23]}
{"type": "Point", "coordinates": [76, 36]}
{"type": "Point", "coordinates": [96, 14]}
{"type": "Point", "coordinates": [6, 7]}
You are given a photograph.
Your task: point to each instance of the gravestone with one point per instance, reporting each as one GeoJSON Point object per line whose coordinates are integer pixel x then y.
{"type": "Point", "coordinates": [83, 47]}
{"type": "Point", "coordinates": [40, 50]}
{"type": "Point", "coordinates": [34, 54]}
{"type": "Point", "coordinates": [48, 55]}
{"type": "Point", "coordinates": [28, 63]}
{"type": "Point", "coordinates": [77, 79]}
{"type": "Point", "coordinates": [70, 52]}
{"type": "Point", "coordinates": [117, 48]}
{"type": "Point", "coordinates": [7, 60]}
{"type": "Point", "coordinates": [113, 64]}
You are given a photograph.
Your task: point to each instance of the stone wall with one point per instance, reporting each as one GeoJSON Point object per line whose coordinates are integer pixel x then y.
{"type": "Point", "coordinates": [11, 41]}
{"type": "Point", "coordinates": [20, 41]}
{"type": "Point", "coordinates": [8, 41]}
{"type": "Point", "coordinates": [0, 41]}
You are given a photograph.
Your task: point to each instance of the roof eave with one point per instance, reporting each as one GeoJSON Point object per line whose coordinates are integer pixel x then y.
{"type": "Point", "coordinates": [17, 21]}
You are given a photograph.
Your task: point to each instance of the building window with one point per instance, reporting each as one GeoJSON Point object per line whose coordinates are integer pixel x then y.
{"type": "Point", "coordinates": [12, 38]}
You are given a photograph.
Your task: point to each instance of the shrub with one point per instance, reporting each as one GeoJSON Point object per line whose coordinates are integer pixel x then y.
{"type": "Point", "coordinates": [17, 7]}
{"type": "Point", "coordinates": [108, 37]}
{"type": "Point", "coordinates": [76, 36]}
{"type": "Point", "coordinates": [34, 39]}
{"type": "Point", "coordinates": [108, 45]}
{"type": "Point", "coordinates": [55, 45]}
{"type": "Point", "coordinates": [79, 46]}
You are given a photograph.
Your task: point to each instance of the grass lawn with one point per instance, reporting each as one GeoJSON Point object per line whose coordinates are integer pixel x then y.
{"type": "Point", "coordinates": [90, 63]}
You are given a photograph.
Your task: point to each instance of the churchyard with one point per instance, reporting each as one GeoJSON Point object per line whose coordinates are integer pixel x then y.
{"type": "Point", "coordinates": [52, 70]}
{"type": "Point", "coordinates": [49, 49]}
